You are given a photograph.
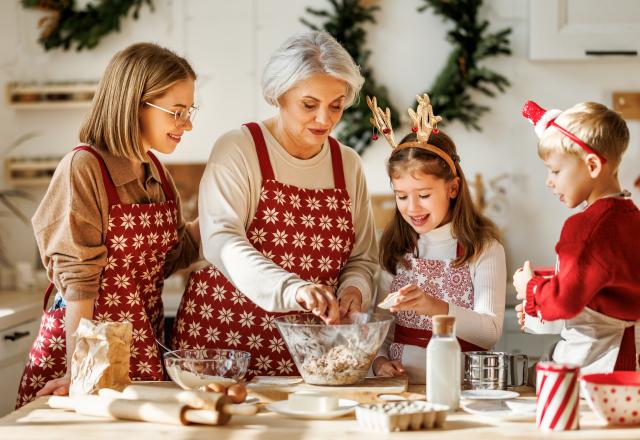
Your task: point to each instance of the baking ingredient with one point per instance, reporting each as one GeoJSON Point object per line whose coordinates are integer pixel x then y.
{"type": "Point", "coordinates": [341, 365]}
{"type": "Point", "coordinates": [101, 357]}
{"type": "Point", "coordinates": [216, 387]}
{"type": "Point", "coordinates": [237, 393]}
{"type": "Point", "coordinates": [311, 402]}
{"type": "Point", "coordinates": [443, 363]}
{"type": "Point", "coordinates": [191, 381]}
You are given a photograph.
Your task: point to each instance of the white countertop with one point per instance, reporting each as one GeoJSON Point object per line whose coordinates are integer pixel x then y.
{"type": "Point", "coordinates": [19, 307]}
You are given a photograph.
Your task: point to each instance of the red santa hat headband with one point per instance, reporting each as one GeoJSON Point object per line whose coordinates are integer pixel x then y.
{"type": "Point", "coordinates": [543, 119]}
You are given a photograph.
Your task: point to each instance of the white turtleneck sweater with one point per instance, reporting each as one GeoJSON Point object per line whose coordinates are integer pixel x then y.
{"type": "Point", "coordinates": [481, 325]}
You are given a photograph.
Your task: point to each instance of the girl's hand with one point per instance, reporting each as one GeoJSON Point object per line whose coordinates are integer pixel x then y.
{"type": "Point", "coordinates": [57, 387]}
{"type": "Point", "coordinates": [521, 278]}
{"type": "Point", "coordinates": [320, 300]}
{"type": "Point", "coordinates": [521, 314]}
{"type": "Point", "coordinates": [350, 301]}
{"type": "Point", "coordinates": [410, 297]}
{"type": "Point", "coordinates": [386, 368]}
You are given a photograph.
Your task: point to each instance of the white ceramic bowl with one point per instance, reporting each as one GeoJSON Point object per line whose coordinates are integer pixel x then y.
{"type": "Point", "coordinates": [614, 397]}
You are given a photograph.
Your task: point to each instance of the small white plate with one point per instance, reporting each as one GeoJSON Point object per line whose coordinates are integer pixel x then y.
{"type": "Point", "coordinates": [391, 397]}
{"type": "Point", "coordinates": [522, 406]}
{"type": "Point", "coordinates": [282, 407]}
{"type": "Point", "coordinates": [497, 410]}
{"type": "Point", "coordinates": [489, 394]}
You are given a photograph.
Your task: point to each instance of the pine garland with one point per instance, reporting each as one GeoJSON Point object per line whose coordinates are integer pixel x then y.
{"type": "Point", "coordinates": [65, 25]}
{"type": "Point", "coordinates": [472, 44]}
{"type": "Point", "coordinates": [346, 24]}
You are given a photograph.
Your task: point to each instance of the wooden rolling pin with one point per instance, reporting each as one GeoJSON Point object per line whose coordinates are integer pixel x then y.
{"type": "Point", "coordinates": [152, 411]}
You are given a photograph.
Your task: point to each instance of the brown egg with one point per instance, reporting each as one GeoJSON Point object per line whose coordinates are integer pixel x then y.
{"type": "Point", "coordinates": [237, 393]}
{"type": "Point", "coordinates": [216, 387]}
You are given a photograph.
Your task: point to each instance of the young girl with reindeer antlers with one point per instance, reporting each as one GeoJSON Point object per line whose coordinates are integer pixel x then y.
{"type": "Point", "coordinates": [439, 254]}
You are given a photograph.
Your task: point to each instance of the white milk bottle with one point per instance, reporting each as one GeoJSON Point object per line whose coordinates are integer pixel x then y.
{"type": "Point", "coordinates": [443, 363]}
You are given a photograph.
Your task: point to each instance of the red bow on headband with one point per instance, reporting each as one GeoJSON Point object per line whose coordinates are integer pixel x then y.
{"type": "Point", "coordinates": [542, 119]}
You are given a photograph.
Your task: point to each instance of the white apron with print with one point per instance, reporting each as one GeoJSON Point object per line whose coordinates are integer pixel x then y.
{"type": "Point", "coordinates": [592, 340]}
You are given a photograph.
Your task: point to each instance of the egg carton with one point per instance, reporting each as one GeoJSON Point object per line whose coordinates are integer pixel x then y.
{"type": "Point", "coordinates": [401, 416]}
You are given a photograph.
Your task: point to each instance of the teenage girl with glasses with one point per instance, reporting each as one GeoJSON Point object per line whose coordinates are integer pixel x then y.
{"type": "Point", "coordinates": [110, 228]}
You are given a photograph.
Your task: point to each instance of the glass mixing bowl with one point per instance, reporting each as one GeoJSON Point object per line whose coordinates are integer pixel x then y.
{"type": "Point", "coordinates": [338, 354]}
{"type": "Point", "coordinates": [193, 368]}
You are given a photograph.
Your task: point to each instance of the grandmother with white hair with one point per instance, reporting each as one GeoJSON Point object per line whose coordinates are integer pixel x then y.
{"type": "Point", "coordinates": [285, 217]}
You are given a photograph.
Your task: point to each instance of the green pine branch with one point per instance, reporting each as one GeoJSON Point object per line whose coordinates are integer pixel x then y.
{"type": "Point", "coordinates": [462, 73]}
{"type": "Point", "coordinates": [67, 26]}
{"type": "Point", "coordinates": [345, 22]}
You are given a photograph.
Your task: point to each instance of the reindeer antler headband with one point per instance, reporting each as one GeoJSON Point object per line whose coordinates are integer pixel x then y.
{"type": "Point", "coordinates": [424, 123]}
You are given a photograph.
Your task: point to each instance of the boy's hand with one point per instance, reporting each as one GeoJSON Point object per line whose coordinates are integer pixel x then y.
{"type": "Point", "coordinates": [521, 279]}
{"type": "Point", "coordinates": [386, 368]}
{"type": "Point", "coordinates": [520, 313]}
{"type": "Point", "coordinates": [410, 297]}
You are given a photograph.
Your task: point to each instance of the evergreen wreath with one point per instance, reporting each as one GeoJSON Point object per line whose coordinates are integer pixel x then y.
{"type": "Point", "coordinates": [462, 71]}
{"type": "Point", "coordinates": [346, 24]}
{"type": "Point", "coordinates": [64, 25]}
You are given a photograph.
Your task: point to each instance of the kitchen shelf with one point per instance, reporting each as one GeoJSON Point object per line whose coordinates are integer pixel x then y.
{"type": "Point", "coordinates": [29, 172]}
{"type": "Point", "coordinates": [50, 96]}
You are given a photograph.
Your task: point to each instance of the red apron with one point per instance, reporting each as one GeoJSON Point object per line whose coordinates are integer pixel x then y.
{"type": "Point", "coordinates": [308, 232]}
{"type": "Point", "coordinates": [440, 279]}
{"type": "Point", "coordinates": [137, 240]}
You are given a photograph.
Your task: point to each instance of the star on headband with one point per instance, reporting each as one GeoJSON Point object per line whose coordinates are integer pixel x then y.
{"type": "Point", "coordinates": [424, 123]}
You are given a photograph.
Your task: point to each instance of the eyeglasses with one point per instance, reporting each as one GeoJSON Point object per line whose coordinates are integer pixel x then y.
{"type": "Point", "coordinates": [181, 116]}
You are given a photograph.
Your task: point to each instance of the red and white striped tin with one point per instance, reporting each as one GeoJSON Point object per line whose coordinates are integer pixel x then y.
{"type": "Point", "coordinates": [558, 397]}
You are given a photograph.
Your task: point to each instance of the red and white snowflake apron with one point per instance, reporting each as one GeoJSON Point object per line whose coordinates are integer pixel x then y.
{"type": "Point", "coordinates": [137, 240]}
{"type": "Point", "coordinates": [440, 279]}
{"type": "Point", "coordinates": [308, 232]}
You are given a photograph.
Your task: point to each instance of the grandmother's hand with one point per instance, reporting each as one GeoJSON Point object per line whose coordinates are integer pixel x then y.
{"type": "Point", "coordinates": [350, 301]}
{"type": "Point", "coordinates": [319, 300]}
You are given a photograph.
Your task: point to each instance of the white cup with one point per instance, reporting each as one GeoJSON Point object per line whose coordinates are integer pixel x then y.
{"type": "Point", "coordinates": [537, 326]}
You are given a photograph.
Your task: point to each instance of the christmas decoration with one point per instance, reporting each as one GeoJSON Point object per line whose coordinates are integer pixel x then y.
{"type": "Point", "coordinates": [424, 123]}
{"type": "Point", "coordinates": [346, 24]}
{"type": "Point", "coordinates": [462, 73]}
{"type": "Point", "coordinates": [65, 25]}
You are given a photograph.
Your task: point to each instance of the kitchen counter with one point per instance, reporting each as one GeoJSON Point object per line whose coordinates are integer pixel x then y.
{"type": "Point", "coordinates": [19, 307]}
{"type": "Point", "coordinates": [37, 421]}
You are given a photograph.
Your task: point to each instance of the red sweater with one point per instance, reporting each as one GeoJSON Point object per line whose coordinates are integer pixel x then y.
{"type": "Point", "coordinates": [599, 265]}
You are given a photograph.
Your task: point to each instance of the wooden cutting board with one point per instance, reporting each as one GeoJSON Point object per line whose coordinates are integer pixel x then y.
{"type": "Point", "coordinates": [279, 387]}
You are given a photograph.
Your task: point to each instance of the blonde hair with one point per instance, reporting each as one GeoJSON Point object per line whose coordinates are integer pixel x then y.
{"type": "Point", "coordinates": [601, 128]}
{"type": "Point", "coordinates": [473, 230]}
{"type": "Point", "coordinates": [303, 55]}
{"type": "Point", "coordinates": [139, 73]}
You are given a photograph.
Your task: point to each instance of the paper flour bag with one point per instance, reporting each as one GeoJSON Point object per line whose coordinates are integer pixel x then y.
{"type": "Point", "coordinates": [101, 357]}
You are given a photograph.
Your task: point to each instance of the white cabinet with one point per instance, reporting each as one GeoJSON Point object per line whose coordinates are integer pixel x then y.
{"type": "Point", "coordinates": [15, 343]}
{"type": "Point", "coordinates": [584, 29]}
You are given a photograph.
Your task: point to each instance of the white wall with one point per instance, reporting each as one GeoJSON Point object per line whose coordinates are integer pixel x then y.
{"type": "Point", "coordinates": [228, 43]}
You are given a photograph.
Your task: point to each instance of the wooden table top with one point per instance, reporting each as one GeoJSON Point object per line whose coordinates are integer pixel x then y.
{"type": "Point", "coordinates": [37, 421]}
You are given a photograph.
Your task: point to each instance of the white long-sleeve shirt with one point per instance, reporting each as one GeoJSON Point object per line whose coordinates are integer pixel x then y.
{"type": "Point", "coordinates": [228, 200]}
{"type": "Point", "coordinates": [481, 325]}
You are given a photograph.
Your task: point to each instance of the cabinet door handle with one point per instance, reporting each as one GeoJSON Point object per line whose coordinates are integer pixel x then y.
{"type": "Point", "coordinates": [599, 53]}
{"type": "Point", "coordinates": [16, 335]}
